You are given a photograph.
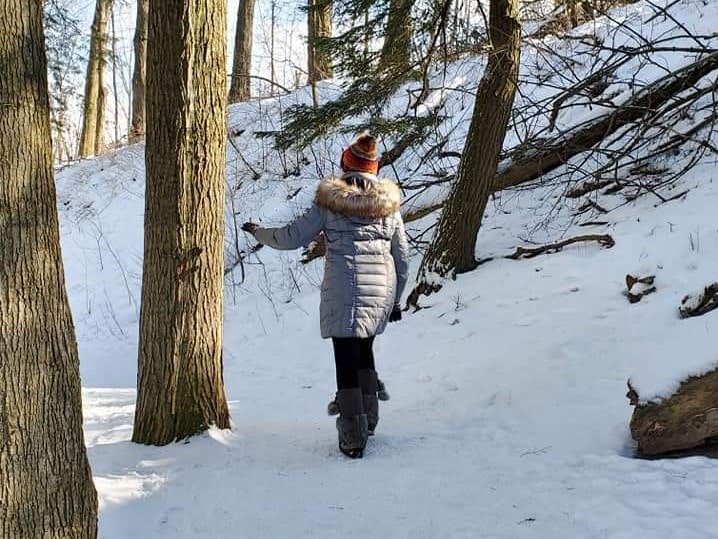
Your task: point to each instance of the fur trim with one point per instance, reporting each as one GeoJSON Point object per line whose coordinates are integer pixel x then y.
{"type": "Point", "coordinates": [380, 199]}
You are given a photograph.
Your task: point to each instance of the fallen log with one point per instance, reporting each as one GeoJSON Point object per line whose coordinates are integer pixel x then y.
{"type": "Point", "coordinates": [521, 165]}
{"type": "Point", "coordinates": [530, 252]}
{"type": "Point", "coordinates": [687, 420]}
{"type": "Point", "coordinates": [538, 157]}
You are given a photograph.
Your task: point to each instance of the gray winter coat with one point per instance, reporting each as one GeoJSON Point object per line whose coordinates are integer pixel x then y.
{"type": "Point", "coordinates": [366, 265]}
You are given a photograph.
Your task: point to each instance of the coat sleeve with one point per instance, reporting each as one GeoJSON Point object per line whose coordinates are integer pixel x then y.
{"type": "Point", "coordinates": [296, 234]}
{"type": "Point", "coordinates": [400, 253]}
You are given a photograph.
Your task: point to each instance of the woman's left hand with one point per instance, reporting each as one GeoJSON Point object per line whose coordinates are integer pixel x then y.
{"type": "Point", "coordinates": [395, 315]}
{"type": "Point", "coordinates": [250, 227]}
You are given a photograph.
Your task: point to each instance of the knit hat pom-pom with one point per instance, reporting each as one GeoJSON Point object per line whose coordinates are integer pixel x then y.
{"type": "Point", "coordinates": [361, 155]}
{"type": "Point", "coordinates": [364, 147]}
{"type": "Point", "coordinates": [367, 144]}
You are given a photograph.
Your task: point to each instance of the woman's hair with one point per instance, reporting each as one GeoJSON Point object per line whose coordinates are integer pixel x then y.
{"type": "Point", "coordinates": [356, 180]}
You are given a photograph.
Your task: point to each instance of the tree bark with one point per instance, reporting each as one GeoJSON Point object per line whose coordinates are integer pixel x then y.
{"type": "Point", "coordinates": [115, 91]}
{"type": "Point", "coordinates": [319, 25]}
{"type": "Point", "coordinates": [92, 120]}
{"type": "Point", "coordinates": [687, 421]}
{"type": "Point", "coordinates": [396, 51]}
{"type": "Point", "coordinates": [180, 385]}
{"type": "Point", "coordinates": [453, 245]}
{"type": "Point", "coordinates": [242, 63]}
{"type": "Point", "coordinates": [273, 26]}
{"type": "Point", "coordinates": [139, 74]}
{"type": "Point", "coordinates": [100, 118]}
{"type": "Point", "coordinates": [46, 488]}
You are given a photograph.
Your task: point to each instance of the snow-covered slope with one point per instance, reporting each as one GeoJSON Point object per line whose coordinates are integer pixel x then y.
{"type": "Point", "coordinates": [508, 416]}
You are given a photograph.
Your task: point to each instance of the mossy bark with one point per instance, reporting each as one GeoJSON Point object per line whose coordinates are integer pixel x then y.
{"type": "Point", "coordinates": [686, 420]}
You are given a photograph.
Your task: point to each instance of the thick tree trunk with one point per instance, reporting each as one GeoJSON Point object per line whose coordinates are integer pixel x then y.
{"type": "Point", "coordinates": [139, 74]}
{"type": "Point", "coordinates": [319, 25]}
{"type": "Point", "coordinates": [92, 119]}
{"type": "Point", "coordinates": [452, 248]}
{"type": "Point", "coordinates": [396, 51]}
{"type": "Point", "coordinates": [46, 488]}
{"type": "Point", "coordinates": [241, 65]}
{"type": "Point", "coordinates": [180, 386]}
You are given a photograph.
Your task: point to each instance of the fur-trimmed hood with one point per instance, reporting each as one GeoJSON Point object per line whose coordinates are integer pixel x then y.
{"type": "Point", "coordinates": [379, 199]}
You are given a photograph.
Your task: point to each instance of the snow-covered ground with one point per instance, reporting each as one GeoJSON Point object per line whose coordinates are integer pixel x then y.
{"type": "Point", "coordinates": [508, 416]}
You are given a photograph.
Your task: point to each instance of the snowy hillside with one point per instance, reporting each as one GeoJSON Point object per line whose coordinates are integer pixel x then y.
{"type": "Point", "coordinates": [508, 416]}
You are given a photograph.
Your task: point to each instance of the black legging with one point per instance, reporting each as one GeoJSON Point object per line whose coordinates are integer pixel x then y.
{"type": "Point", "coordinates": [350, 356]}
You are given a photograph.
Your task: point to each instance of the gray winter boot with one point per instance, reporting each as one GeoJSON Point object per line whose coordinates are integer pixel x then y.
{"type": "Point", "coordinates": [370, 386]}
{"type": "Point", "coordinates": [333, 407]}
{"type": "Point", "coordinates": [351, 423]}
{"type": "Point", "coordinates": [382, 394]}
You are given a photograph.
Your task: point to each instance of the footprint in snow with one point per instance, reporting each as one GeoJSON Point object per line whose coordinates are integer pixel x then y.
{"type": "Point", "coordinates": [173, 520]}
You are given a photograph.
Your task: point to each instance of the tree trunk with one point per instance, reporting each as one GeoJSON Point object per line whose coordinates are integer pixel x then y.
{"type": "Point", "coordinates": [452, 248]}
{"type": "Point", "coordinates": [100, 118]}
{"type": "Point", "coordinates": [115, 91]}
{"type": "Point", "coordinates": [92, 119]}
{"type": "Point", "coordinates": [396, 51]}
{"type": "Point", "coordinates": [319, 25]}
{"type": "Point", "coordinates": [273, 26]}
{"type": "Point", "coordinates": [180, 385]}
{"type": "Point", "coordinates": [46, 485]}
{"type": "Point", "coordinates": [139, 74]}
{"type": "Point", "coordinates": [544, 155]}
{"type": "Point", "coordinates": [241, 66]}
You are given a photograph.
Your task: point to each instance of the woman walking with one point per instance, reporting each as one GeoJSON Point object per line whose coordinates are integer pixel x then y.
{"type": "Point", "coordinates": [365, 273]}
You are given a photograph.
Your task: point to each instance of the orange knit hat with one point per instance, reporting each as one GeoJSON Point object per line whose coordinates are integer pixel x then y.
{"type": "Point", "coordinates": [361, 155]}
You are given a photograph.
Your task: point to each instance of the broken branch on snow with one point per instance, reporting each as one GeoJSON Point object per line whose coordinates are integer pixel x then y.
{"type": "Point", "coordinates": [604, 240]}
{"type": "Point", "coordinates": [700, 304]}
